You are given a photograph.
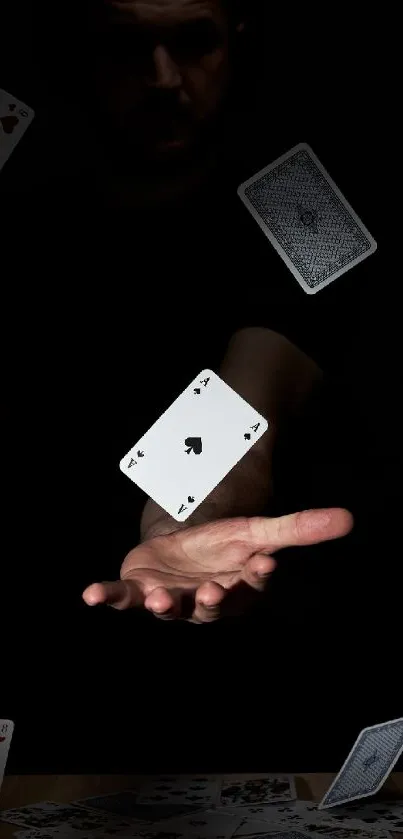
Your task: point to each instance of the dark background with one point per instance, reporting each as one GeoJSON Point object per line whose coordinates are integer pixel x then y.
{"type": "Point", "coordinates": [288, 687]}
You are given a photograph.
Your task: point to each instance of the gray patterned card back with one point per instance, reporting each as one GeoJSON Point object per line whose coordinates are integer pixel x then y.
{"type": "Point", "coordinates": [306, 218]}
{"type": "Point", "coordinates": [369, 763]}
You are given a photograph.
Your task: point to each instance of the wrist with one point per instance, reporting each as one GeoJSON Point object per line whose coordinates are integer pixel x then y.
{"type": "Point", "coordinates": [243, 492]}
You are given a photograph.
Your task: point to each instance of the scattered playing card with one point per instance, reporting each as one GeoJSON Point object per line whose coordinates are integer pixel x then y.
{"type": "Point", "coordinates": [70, 832]}
{"type": "Point", "coordinates": [286, 834]}
{"type": "Point", "coordinates": [195, 792]}
{"type": "Point", "coordinates": [379, 814]}
{"type": "Point", "coordinates": [120, 803]}
{"type": "Point", "coordinates": [256, 791]}
{"type": "Point", "coordinates": [126, 804]}
{"type": "Point", "coordinates": [369, 763]}
{"type": "Point", "coordinates": [6, 733]}
{"type": "Point", "coordinates": [193, 445]}
{"type": "Point", "coordinates": [306, 218]}
{"type": "Point", "coordinates": [203, 825]}
{"type": "Point", "coordinates": [15, 118]}
{"type": "Point", "coordinates": [49, 814]}
{"type": "Point", "coordinates": [318, 831]}
{"type": "Point", "coordinates": [338, 831]}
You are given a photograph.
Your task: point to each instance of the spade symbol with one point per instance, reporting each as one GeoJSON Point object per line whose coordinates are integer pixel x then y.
{"type": "Point", "coordinates": [195, 445]}
{"type": "Point", "coordinates": [246, 436]}
{"type": "Point", "coordinates": [140, 454]}
{"type": "Point", "coordinates": [196, 390]}
{"type": "Point", "coordinates": [190, 499]}
{"type": "Point", "coordinates": [9, 124]}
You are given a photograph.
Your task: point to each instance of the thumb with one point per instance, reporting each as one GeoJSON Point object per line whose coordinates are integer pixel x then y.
{"type": "Point", "coordinates": [121, 594]}
{"type": "Point", "coordinates": [305, 528]}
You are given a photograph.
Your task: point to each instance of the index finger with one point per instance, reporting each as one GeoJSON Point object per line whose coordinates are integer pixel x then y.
{"type": "Point", "coordinates": [308, 527]}
{"type": "Point", "coordinates": [121, 594]}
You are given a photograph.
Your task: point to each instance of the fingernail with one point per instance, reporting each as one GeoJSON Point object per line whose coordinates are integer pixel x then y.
{"type": "Point", "coordinates": [263, 574]}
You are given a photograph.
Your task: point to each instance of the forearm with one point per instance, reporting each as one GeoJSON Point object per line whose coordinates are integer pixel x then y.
{"type": "Point", "coordinates": [275, 377]}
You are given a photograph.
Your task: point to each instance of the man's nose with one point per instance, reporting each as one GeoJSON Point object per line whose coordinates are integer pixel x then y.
{"type": "Point", "coordinates": [166, 72]}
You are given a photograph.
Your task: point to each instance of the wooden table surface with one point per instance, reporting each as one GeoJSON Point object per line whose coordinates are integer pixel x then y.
{"type": "Point", "coordinates": [19, 790]}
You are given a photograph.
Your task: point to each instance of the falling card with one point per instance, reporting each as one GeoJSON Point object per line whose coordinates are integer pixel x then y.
{"type": "Point", "coordinates": [194, 445]}
{"type": "Point", "coordinates": [15, 118]}
{"type": "Point", "coordinates": [306, 218]}
{"type": "Point", "coordinates": [6, 733]}
{"type": "Point", "coordinates": [369, 763]}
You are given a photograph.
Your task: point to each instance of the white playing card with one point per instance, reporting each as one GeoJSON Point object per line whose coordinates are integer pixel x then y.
{"type": "Point", "coordinates": [196, 792]}
{"type": "Point", "coordinates": [339, 831]}
{"type": "Point", "coordinates": [6, 733]}
{"type": "Point", "coordinates": [70, 832]}
{"type": "Point", "coordinates": [376, 814]}
{"type": "Point", "coordinates": [285, 833]}
{"type": "Point", "coordinates": [201, 825]}
{"type": "Point", "coordinates": [254, 791]}
{"type": "Point", "coordinates": [369, 763]}
{"type": "Point", "coordinates": [15, 118]}
{"type": "Point", "coordinates": [50, 814]}
{"type": "Point", "coordinates": [314, 831]}
{"type": "Point", "coordinates": [306, 218]}
{"type": "Point", "coordinates": [193, 445]}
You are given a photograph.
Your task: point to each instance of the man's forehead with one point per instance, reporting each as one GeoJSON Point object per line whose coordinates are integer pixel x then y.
{"type": "Point", "coordinates": [163, 11]}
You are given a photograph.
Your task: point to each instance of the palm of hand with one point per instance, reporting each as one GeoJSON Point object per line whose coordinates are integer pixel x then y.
{"type": "Point", "coordinates": [218, 552]}
{"type": "Point", "coordinates": [198, 572]}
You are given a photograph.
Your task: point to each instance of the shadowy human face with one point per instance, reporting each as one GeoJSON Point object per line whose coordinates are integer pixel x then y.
{"type": "Point", "coordinates": [162, 71]}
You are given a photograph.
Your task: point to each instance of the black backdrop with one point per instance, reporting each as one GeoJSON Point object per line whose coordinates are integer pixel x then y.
{"type": "Point", "coordinates": [286, 688]}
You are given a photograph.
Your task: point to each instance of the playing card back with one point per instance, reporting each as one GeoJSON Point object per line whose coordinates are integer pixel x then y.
{"type": "Point", "coordinates": [306, 218]}
{"type": "Point", "coordinates": [372, 758]}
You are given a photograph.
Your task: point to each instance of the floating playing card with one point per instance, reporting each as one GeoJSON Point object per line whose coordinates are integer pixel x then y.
{"type": "Point", "coordinates": [15, 118]}
{"type": "Point", "coordinates": [6, 733]}
{"type": "Point", "coordinates": [193, 445]}
{"type": "Point", "coordinates": [241, 793]}
{"type": "Point", "coordinates": [369, 763]}
{"type": "Point", "coordinates": [306, 218]}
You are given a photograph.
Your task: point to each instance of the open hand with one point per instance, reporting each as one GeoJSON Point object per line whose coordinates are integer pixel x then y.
{"type": "Point", "coordinates": [192, 573]}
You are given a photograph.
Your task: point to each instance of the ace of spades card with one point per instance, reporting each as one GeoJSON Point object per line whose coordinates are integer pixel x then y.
{"type": "Point", "coordinates": [15, 118]}
{"type": "Point", "coordinates": [193, 445]}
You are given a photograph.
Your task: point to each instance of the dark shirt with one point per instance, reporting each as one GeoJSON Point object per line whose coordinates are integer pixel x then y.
{"type": "Point", "coordinates": [107, 316]}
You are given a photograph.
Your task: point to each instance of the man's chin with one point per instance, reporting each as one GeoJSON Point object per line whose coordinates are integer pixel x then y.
{"type": "Point", "coordinates": [169, 147]}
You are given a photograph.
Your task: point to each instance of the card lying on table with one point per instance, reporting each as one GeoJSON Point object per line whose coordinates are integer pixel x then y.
{"type": "Point", "coordinates": [195, 792]}
{"type": "Point", "coordinates": [15, 118]}
{"type": "Point", "coordinates": [51, 815]}
{"type": "Point", "coordinates": [6, 733]}
{"type": "Point", "coordinates": [236, 793]}
{"type": "Point", "coordinates": [369, 763]}
{"type": "Point", "coordinates": [306, 218]}
{"type": "Point", "coordinates": [193, 445]}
